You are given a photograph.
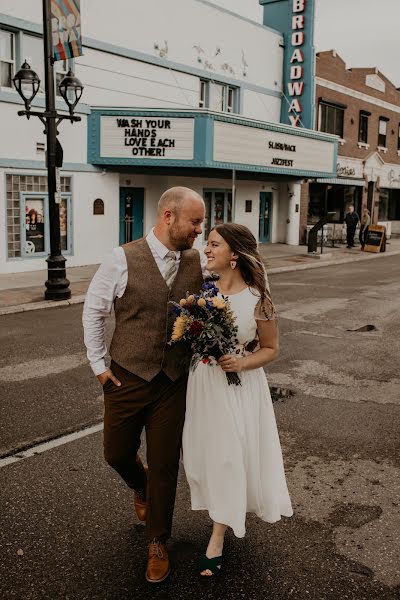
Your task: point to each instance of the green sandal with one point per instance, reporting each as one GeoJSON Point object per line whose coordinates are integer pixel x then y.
{"type": "Point", "coordinates": [212, 564]}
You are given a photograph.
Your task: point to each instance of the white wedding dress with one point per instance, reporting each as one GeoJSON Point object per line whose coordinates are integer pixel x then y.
{"type": "Point", "coordinates": [231, 449]}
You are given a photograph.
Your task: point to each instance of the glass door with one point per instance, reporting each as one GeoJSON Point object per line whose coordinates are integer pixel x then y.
{"type": "Point", "coordinates": [218, 208]}
{"type": "Point", "coordinates": [131, 208]}
{"type": "Point", "coordinates": [264, 234]}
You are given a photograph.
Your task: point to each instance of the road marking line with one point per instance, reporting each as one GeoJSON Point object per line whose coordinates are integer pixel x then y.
{"type": "Point", "coordinates": [40, 448]}
{"type": "Point", "coordinates": [42, 367]}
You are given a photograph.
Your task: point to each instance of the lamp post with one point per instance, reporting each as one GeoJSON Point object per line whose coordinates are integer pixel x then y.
{"type": "Point", "coordinates": [27, 84]}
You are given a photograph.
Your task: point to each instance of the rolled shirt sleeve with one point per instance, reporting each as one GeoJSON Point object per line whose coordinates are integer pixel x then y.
{"type": "Point", "coordinates": [108, 283]}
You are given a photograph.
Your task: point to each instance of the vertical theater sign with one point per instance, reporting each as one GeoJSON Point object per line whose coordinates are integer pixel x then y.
{"type": "Point", "coordinates": [295, 18]}
{"type": "Point", "coordinates": [296, 82]}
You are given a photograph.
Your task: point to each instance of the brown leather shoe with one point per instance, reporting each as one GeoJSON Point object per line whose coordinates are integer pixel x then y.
{"type": "Point", "coordinates": [140, 503]}
{"type": "Point", "coordinates": [158, 566]}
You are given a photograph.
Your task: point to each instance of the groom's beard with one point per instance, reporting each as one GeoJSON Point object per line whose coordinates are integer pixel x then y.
{"type": "Point", "coordinates": [178, 240]}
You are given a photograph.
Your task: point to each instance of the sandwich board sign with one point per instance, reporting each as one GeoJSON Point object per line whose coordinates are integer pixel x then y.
{"type": "Point", "coordinates": [376, 239]}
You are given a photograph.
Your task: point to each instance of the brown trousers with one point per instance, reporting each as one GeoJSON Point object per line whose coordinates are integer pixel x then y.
{"type": "Point", "coordinates": [159, 407]}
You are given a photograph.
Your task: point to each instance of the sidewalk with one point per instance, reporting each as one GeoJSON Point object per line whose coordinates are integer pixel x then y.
{"type": "Point", "coordinates": [21, 292]}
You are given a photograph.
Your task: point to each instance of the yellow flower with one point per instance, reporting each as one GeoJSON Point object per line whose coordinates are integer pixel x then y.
{"type": "Point", "coordinates": [190, 299]}
{"type": "Point", "coordinates": [182, 302]}
{"type": "Point", "coordinates": [178, 329]}
{"type": "Point", "coordinates": [218, 302]}
{"type": "Point", "coordinates": [201, 302]}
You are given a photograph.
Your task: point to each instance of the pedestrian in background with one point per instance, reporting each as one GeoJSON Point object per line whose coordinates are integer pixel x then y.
{"type": "Point", "coordinates": [351, 219]}
{"type": "Point", "coordinates": [364, 225]}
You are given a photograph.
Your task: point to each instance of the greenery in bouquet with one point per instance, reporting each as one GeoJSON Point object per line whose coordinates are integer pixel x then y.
{"type": "Point", "coordinates": [206, 323]}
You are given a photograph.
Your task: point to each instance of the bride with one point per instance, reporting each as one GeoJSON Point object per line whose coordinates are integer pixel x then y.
{"type": "Point", "coordinates": [231, 449]}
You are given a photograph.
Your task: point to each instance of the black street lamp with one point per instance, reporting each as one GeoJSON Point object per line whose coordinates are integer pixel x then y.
{"type": "Point", "coordinates": [27, 84]}
{"type": "Point", "coordinates": [71, 90]}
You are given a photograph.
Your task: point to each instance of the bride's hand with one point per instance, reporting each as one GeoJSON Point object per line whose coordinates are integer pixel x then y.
{"type": "Point", "coordinates": [230, 363]}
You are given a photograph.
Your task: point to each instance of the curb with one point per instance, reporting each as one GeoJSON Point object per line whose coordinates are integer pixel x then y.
{"type": "Point", "coordinates": [19, 308]}
{"type": "Point", "coordinates": [331, 263]}
{"type": "Point", "coordinates": [10, 310]}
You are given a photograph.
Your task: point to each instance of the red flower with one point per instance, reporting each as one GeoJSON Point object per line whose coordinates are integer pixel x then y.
{"type": "Point", "coordinates": [196, 328]}
{"type": "Point", "coordinates": [206, 361]}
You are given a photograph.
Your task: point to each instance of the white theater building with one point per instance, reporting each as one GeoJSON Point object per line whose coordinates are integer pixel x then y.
{"type": "Point", "coordinates": [176, 92]}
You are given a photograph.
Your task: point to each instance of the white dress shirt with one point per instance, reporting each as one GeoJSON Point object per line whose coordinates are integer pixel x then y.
{"type": "Point", "coordinates": [109, 283]}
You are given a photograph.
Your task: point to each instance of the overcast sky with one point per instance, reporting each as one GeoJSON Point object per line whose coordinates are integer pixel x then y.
{"type": "Point", "coordinates": [365, 33]}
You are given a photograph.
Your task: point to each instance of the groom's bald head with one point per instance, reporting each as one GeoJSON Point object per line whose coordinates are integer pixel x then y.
{"type": "Point", "coordinates": [179, 217]}
{"type": "Point", "coordinates": [174, 199]}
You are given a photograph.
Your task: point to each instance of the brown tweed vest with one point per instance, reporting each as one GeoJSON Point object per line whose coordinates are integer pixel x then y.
{"type": "Point", "coordinates": [143, 319]}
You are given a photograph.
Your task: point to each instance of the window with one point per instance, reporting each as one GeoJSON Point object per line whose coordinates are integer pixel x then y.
{"type": "Point", "coordinates": [34, 207]}
{"type": "Point", "coordinates": [7, 58]}
{"type": "Point", "coordinates": [230, 99]}
{"type": "Point", "coordinates": [218, 96]}
{"type": "Point", "coordinates": [382, 132]}
{"type": "Point", "coordinates": [389, 205]}
{"type": "Point", "coordinates": [61, 71]}
{"type": "Point", "coordinates": [28, 219]}
{"type": "Point", "coordinates": [32, 52]}
{"type": "Point", "coordinates": [333, 198]}
{"type": "Point", "coordinates": [218, 208]}
{"type": "Point", "coordinates": [363, 127]}
{"type": "Point", "coordinates": [331, 118]}
{"type": "Point", "coordinates": [203, 100]}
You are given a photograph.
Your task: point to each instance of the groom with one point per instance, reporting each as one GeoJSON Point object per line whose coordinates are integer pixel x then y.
{"type": "Point", "coordinates": [145, 386]}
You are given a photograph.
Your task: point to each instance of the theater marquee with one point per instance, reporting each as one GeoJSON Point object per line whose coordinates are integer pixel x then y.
{"type": "Point", "coordinates": [146, 137]}
{"type": "Point", "coordinates": [207, 140]}
{"type": "Point", "coordinates": [249, 145]}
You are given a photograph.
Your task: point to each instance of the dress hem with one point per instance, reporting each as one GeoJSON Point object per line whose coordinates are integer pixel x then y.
{"type": "Point", "coordinates": [216, 519]}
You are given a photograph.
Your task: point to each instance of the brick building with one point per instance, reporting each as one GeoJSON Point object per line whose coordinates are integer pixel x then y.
{"type": "Point", "coordinates": [362, 107]}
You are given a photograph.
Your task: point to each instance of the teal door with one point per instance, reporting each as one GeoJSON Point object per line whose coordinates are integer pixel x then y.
{"type": "Point", "coordinates": [131, 208]}
{"type": "Point", "coordinates": [264, 233]}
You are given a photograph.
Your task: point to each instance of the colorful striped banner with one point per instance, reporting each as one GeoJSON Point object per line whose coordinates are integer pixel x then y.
{"type": "Point", "coordinates": [66, 29]}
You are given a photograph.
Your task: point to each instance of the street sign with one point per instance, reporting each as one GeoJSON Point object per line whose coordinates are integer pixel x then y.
{"type": "Point", "coordinates": [66, 29]}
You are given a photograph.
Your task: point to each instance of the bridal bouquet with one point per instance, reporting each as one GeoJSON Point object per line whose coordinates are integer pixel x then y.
{"type": "Point", "coordinates": [206, 323]}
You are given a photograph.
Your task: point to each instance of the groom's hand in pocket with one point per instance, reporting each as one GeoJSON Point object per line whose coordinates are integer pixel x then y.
{"type": "Point", "coordinates": [108, 376]}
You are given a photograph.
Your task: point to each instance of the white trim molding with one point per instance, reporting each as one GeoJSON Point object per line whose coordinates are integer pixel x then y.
{"type": "Point", "coordinates": [363, 145]}
{"type": "Point", "coordinates": [356, 94]}
{"type": "Point", "coordinates": [382, 149]}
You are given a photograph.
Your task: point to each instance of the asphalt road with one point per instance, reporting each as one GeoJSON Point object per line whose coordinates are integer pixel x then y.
{"type": "Point", "coordinates": [67, 525]}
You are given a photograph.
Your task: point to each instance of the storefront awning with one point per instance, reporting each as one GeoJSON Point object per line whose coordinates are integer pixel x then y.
{"type": "Point", "coordinates": [341, 181]}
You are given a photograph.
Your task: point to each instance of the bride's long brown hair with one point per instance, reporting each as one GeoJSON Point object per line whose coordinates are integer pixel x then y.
{"type": "Point", "coordinates": [243, 243]}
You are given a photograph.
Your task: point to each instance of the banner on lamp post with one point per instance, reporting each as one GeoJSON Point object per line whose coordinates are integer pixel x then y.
{"type": "Point", "coordinates": [66, 29]}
